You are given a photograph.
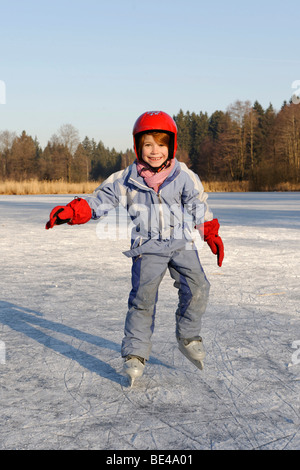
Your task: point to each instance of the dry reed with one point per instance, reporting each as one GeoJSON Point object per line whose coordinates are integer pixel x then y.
{"type": "Point", "coordinates": [34, 186]}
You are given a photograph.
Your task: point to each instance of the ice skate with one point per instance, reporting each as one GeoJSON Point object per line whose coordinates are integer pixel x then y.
{"type": "Point", "coordinates": [193, 350]}
{"type": "Point", "coordinates": [133, 367]}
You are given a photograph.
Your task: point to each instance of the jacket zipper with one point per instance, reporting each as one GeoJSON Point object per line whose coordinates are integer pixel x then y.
{"type": "Point", "coordinates": [161, 215]}
{"type": "Point", "coordinates": [160, 208]}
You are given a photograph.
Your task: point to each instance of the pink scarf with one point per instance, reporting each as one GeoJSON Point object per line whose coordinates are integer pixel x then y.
{"type": "Point", "coordinates": [151, 178]}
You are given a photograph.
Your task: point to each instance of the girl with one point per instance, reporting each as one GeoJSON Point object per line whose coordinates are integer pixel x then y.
{"type": "Point", "coordinates": [156, 189]}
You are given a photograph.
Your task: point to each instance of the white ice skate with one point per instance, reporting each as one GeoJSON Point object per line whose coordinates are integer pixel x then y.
{"type": "Point", "coordinates": [134, 367]}
{"type": "Point", "coordinates": [193, 350]}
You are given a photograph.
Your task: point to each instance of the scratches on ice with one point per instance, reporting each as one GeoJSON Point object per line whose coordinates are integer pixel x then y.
{"type": "Point", "coordinates": [61, 382]}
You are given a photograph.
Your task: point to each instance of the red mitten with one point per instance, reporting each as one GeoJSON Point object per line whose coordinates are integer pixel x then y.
{"type": "Point", "coordinates": [76, 212]}
{"type": "Point", "coordinates": [209, 232]}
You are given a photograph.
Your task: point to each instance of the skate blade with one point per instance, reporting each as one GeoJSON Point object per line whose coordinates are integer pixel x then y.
{"type": "Point", "coordinates": [131, 381]}
{"type": "Point", "coordinates": [130, 377]}
{"type": "Point", "coordinates": [198, 363]}
{"type": "Point", "coordinates": [133, 372]}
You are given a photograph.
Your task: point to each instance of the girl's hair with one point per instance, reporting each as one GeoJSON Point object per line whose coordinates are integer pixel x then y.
{"type": "Point", "coordinates": [161, 138]}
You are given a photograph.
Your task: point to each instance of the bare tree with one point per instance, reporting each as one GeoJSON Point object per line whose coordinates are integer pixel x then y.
{"type": "Point", "coordinates": [238, 112]}
{"type": "Point", "coordinates": [287, 139]}
{"type": "Point", "coordinates": [250, 125]}
{"type": "Point", "coordinates": [68, 135]}
{"type": "Point", "coordinates": [6, 142]}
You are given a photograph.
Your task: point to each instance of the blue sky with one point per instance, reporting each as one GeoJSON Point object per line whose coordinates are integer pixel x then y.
{"type": "Point", "coordinates": [99, 64]}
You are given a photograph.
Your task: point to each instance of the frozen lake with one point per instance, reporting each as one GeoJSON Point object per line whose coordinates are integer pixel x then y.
{"type": "Point", "coordinates": [62, 309]}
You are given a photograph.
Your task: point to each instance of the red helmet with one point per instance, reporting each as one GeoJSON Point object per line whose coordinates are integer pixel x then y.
{"type": "Point", "coordinates": [156, 121]}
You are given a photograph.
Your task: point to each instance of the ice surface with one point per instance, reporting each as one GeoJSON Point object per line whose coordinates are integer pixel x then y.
{"type": "Point", "coordinates": [62, 309]}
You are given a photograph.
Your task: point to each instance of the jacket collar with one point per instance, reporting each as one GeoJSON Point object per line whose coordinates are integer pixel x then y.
{"type": "Point", "coordinates": [138, 180]}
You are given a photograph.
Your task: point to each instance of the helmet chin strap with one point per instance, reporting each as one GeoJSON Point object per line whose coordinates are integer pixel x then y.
{"type": "Point", "coordinates": [161, 167]}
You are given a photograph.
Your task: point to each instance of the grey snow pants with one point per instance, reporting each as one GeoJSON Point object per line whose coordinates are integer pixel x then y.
{"type": "Point", "coordinates": [148, 271]}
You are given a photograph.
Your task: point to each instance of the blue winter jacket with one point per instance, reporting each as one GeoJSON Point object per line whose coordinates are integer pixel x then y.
{"type": "Point", "coordinates": [159, 220]}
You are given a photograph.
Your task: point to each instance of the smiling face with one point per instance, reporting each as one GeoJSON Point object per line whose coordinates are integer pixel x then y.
{"type": "Point", "coordinates": [155, 150]}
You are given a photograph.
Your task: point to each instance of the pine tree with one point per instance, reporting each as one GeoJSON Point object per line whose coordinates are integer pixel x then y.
{"type": "Point", "coordinates": [22, 163]}
{"type": "Point", "coordinates": [184, 135]}
{"type": "Point", "coordinates": [214, 124]}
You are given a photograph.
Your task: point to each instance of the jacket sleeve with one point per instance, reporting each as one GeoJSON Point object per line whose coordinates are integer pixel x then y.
{"type": "Point", "coordinates": [194, 198]}
{"type": "Point", "coordinates": [108, 195]}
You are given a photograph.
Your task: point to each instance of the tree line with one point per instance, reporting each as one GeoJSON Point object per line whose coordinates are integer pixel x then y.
{"type": "Point", "coordinates": [243, 143]}
{"type": "Point", "coordinates": [63, 158]}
